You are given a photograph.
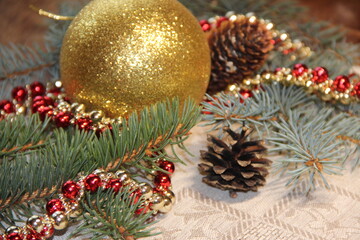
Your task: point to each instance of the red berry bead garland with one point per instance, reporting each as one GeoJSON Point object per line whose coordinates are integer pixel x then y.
{"type": "Point", "coordinates": [19, 94]}
{"type": "Point", "coordinates": [341, 83]}
{"type": "Point", "coordinates": [54, 205]}
{"type": "Point", "coordinates": [71, 189]}
{"type": "Point", "coordinates": [37, 89]}
{"type": "Point", "coordinates": [59, 210]}
{"type": "Point", "coordinates": [320, 75]}
{"type": "Point", "coordinates": [7, 106]}
{"type": "Point", "coordinates": [92, 182]}
{"type": "Point", "coordinates": [299, 69]}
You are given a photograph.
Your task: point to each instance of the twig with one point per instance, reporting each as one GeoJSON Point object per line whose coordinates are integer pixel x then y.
{"type": "Point", "coordinates": [129, 157]}
{"type": "Point", "coordinates": [26, 71]}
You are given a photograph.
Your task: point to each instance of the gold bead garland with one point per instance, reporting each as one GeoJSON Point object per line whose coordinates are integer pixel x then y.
{"type": "Point", "coordinates": [42, 227]}
{"type": "Point", "coordinates": [326, 90]}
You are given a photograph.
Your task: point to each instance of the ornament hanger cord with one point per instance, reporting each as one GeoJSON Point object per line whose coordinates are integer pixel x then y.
{"type": "Point", "coordinates": [42, 12]}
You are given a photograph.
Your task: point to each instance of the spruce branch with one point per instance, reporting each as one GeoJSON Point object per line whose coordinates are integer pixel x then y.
{"type": "Point", "coordinates": [312, 148]}
{"type": "Point", "coordinates": [22, 135]}
{"type": "Point", "coordinates": [17, 62]}
{"type": "Point", "coordinates": [266, 105]}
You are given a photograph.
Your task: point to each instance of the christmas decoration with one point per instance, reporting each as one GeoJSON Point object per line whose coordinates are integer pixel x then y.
{"type": "Point", "coordinates": [240, 45]}
{"type": "Point", "coordinates": [60, 210]}
{"type": "Point", "coordinates": [238, 49]}
{"type": "Point", "coordinates": [315, 141]}
{"type": "Point", "coordinates": [314, 81]}
{"type": "Point", "coordinates": [120, 56]}
{"type": "Point", "coordinates": [234, 164]}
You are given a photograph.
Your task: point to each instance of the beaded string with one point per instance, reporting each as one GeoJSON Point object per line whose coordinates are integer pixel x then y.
{"type": "Point", "coordinates": [60, 210]}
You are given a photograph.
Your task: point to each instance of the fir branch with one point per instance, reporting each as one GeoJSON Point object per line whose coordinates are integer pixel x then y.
{"type": "Point", "coordinates": [17, 62]}
{"type": "Point", "coordinates": [21, 135]}
{"type": "Point", "coordinates": [312, 146]}
{"type": "Point", "coordinates": [113, 215]}
{"type": "Point", "coordinates": [73, 151]}
{"type": "Point", "coordinates": [266, 105]}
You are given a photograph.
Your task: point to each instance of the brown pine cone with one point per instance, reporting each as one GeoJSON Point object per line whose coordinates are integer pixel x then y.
{"type": "Point", "coordinates": [233, 163]}
{"type": "Point", "coordinates": [238, 49]}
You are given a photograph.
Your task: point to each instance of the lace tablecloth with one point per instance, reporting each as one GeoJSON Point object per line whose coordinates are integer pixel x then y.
{"type": "Point", "coordinates": [274, 212]}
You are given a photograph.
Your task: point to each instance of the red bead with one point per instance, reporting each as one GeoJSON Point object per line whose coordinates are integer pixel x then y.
{"type": "Point", "coordinates": [48, 101]}
{"type": "Point", "coordinates": [37, 89]}
{"type": "Point", "coordinates": [47, 231]}
{"type": "Point", "coordinates": [357, 90]}
{"type": "Point", "coordinates": [136, 194]}
{"type": "Point", "coordinates": [115, 184]}
{"type": "Point", "coordinates": [14, 236]}
{"type": "Point", "coordinates": [70, 189]}
{"type": "Point", "coordinates": [162, 180]}
{"type": "Point", "coordinates": [208, 112]}
{"type": "Point", "coordinates": [142, 209]}
{"type": "Point", "coordinates": [92, 182]}
{"type": "Point", "coordinates": [54, 205]}
{"type": "Point", "coordinates": [62, 119]}
{"type": "Point", "coordinates": [320, 75]}
{"type": "Point", "coordinates": [277, 70]}
{"type": "Point", "coordinates": [167, 166]}
{"type": "Point", "coordinates": [221, 20]}
{"type": "Point", "coordinates": [84, 123]}
{"type": "Point", "coordinates": [56, 91]}
{"type": "Point", "coordinates": [299, 70]}
{"type": "Point", "coordinates": [7, 106]}
{"type": "Point", "coordinates": [19, 94]}
{"type": "Point", "coordinates": [341, 83]}
{"type": "Point", "coordinates": [41, 101]}
{"type": "Point", "coordinates": [33, 236]}
{"type": "Point", "coordinates": [44, 111]}
{"type": "Point", "coordinates": [245, 94]}
{"type": "Point", "coordinates": [205, 25]}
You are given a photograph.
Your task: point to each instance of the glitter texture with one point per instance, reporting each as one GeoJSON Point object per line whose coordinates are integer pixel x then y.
{"type": "Point", "coordinates": [122, 55]}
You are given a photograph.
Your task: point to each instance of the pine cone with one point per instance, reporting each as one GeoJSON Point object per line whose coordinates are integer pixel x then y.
{"type": "Point", "coordinates": [233, 163]}
{"type": "Point", "coordinates": [238, 49]}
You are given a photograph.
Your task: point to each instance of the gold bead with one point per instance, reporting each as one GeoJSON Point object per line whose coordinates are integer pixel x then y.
{"type": "Point", "coordinates": [167, 205]}
{"type": "Point", "coordinates": [170, 194]}
{"type": "Point", "coordinates": [75, 210]}
{"type": "Point", "coordinates": [151, 175]}
{"type": "Point", "coordinates": [36, 223]}
{"type": "Point", "coordinates": [146, 190]}
{"type": "Point", "coordinates": [12, 229]}
{"type": "Point", "coordinates": [136, 43]}
{"type": "Point", "coordinates": [157, 201]}
{"type": "Point", "coordinates": [60, 220]}
{"type": "Point", "coordinates": [96, 115]}
{"type": "Point", "coordinates": [21, 110]}
{"type": "Point", "coordinates": [123, 176]}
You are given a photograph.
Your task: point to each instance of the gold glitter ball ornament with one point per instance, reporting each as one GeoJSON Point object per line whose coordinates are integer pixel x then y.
{"type": "Point", "coordinates": [119, 56]}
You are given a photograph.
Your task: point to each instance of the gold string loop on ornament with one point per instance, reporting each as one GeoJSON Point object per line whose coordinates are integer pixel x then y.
{"type": "Point", "coordinates": [47, 14]}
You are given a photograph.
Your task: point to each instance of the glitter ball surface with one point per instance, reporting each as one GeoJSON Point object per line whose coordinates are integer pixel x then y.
{"type": "Point", "coordinates": [122, 55]}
